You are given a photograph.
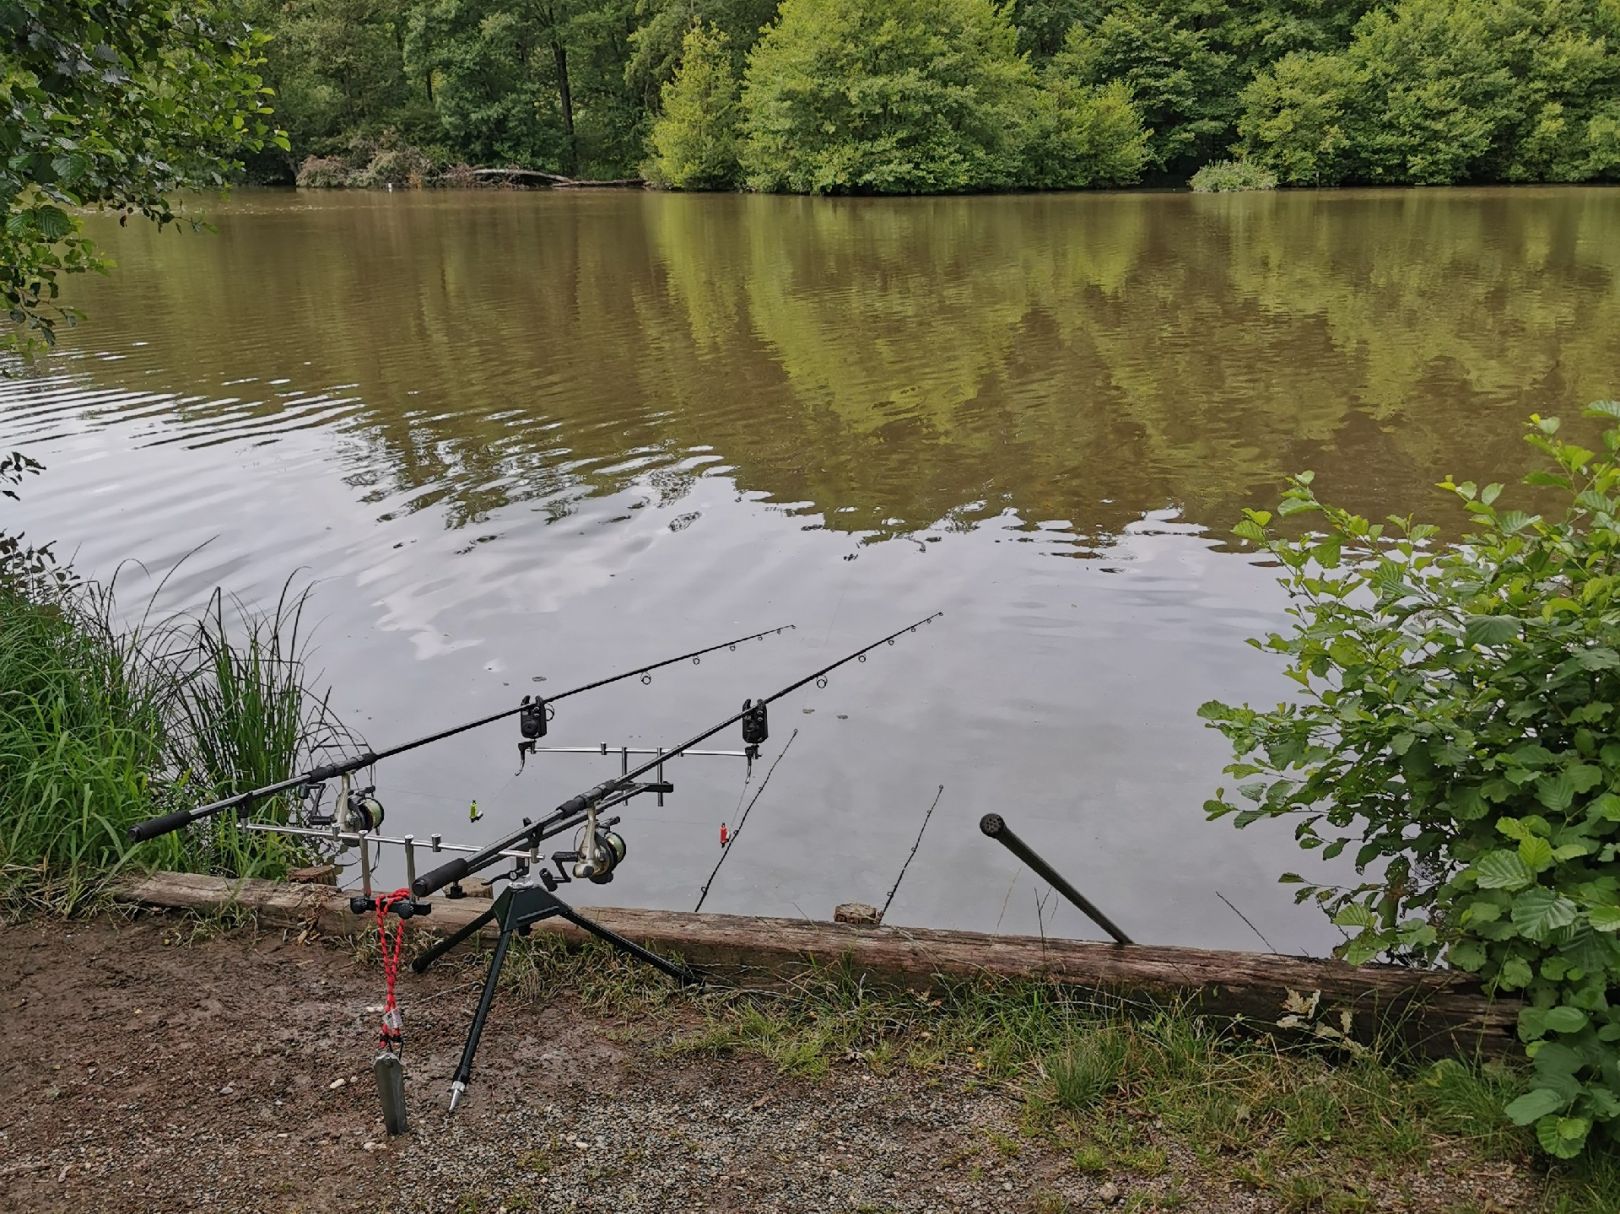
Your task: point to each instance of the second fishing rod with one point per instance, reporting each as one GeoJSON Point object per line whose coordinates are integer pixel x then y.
{"type": "Point", "coordinates": [576, 810]}
{"type": "Point", "coordinates": [534, 711]}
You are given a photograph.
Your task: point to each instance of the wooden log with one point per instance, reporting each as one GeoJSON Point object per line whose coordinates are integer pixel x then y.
{"type": "Point", "coordinates": [1434, 1012]}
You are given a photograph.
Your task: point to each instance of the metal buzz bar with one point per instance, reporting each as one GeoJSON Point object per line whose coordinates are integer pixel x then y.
{"type": "Point", "coordinates": [364, 840]}
{"type": "Point", "coordinates": [995, 827]}
{"type": "Point", "coordinates": [164, 824]}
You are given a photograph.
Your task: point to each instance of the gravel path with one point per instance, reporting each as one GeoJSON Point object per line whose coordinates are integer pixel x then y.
{"type": "Point", "coordinates": [142, 1073]}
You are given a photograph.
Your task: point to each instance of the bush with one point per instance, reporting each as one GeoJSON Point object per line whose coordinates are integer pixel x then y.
{"type": "Point", "coordinates": [1231, 176]}
{"type": "Point", "coordinates": [911, 96]}
{"type": "Point", "coordinates": [1081, 137]}
{"type": "Point", "coordinates": [1458, 721]}
{"type": "Point", "coordinates": [324, 173]}
{"type": "Point", "coordinates": [694, 141]}
{"type": "Point", "coordinates": [1439, 91]}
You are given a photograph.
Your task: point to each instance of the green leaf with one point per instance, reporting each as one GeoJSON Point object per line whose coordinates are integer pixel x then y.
{"type": "Point", "coordinates": [1536, 853]}
{"type": "Point", "coordinates": [1516, 520]}
{"type": "Point", "coordinates": [1534, 1105]}
{"type": "Point", "coordinates": [1563, 1137]}
{"type": "Point", "coordinates": [1491, 629]}
{"type": "Point", "coordinates": [1354, 914]}
{"type": "Point", "coordinates": [1502, 870]}
{"type": "Point", "coordinates": [1467, 955]}
{"type": "Point", "coordinates": [1565, 1020]}
{"type": "Point", "coordinates": [54, 223]}
{"type": "Point", "coordinates": [1604, 918]}
{"type": "Point", "coordinates": [1556, 791]}
{"type": "Point", "coordinates": [1515, 974]}
{"type": "Point", "coordinates": [1537, 913]}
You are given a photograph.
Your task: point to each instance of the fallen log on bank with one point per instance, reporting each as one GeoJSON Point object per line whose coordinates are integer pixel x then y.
{"type": "Point", "coordinates": [1434, 1012]}
{"type": "Point", "coordinates": [539, 177]}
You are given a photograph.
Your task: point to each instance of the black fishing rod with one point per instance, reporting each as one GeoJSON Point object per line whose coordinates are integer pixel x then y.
{"type": "Point", "coordinates": [533, 708]}
{"type": "Point", "coordinates": [578, 809]}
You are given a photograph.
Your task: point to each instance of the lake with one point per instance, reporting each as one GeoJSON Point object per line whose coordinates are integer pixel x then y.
{"type": "Point", "coordinates": [518, 441]}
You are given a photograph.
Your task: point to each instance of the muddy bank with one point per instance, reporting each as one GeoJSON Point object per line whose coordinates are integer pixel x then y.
{"type": "Point", "coordinates": [148, 1067]}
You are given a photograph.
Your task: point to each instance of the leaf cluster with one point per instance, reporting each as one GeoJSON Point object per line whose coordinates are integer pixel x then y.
{"type": "Point", "coordinates": [1456, 725]}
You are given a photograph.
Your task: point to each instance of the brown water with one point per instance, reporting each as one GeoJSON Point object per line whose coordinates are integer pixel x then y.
{"type": "Point", "coordinates": [520, 435]}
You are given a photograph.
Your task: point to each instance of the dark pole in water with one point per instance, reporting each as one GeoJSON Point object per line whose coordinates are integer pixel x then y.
{"type": "Point", "coordinates": [996, 827]}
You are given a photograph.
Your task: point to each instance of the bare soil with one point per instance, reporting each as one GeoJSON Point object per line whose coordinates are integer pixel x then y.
{"type": "Point", "coordinates": [143, 1068]}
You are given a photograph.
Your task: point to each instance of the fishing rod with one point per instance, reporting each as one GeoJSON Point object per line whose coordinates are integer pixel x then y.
{"type": "Point", "coordinates": [755, 722]}
{"type": "Point", "coordinates": [534, 711]}
{"type": "Point", "coordinates": [530, 895]}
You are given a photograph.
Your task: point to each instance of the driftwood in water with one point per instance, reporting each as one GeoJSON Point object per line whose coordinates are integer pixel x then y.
{"type": "Point", "coordinates": [543, 178]}
{"type": "Point", "coordinates": [1436, 1013]}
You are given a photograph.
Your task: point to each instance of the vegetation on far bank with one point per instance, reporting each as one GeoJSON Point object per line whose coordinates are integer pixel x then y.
{"type": "Point", "coordinates": [106, 721]}
{"type": "Point", "coordinates": [940, 95]}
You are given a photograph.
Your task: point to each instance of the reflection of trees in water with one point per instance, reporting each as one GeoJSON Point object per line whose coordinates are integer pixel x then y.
{"type": "Point", "coordinates": [900, 364]}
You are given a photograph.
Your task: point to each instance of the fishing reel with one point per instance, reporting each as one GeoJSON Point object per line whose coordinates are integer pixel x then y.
{"type": "Point", "coordinates": [358, 811]}
{"type": "Point", "coordinates": [598, 848]}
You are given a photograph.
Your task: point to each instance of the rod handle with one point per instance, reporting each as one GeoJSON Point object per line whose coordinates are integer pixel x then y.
{"type": "Point", "coordinates": [153, 827]}
{"type": "Point", "coordinates": [438, 878]}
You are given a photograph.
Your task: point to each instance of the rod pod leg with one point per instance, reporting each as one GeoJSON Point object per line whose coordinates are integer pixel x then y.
{"type": "Point", "coordinates": [458, 1086]}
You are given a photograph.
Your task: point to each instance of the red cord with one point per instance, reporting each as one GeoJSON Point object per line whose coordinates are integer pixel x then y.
{"type": "Point", "coordinates": [389, 1036]}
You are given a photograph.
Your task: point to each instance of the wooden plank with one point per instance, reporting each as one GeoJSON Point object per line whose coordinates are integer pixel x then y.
{"type": "Point", "coordinates": [1435, 1012]}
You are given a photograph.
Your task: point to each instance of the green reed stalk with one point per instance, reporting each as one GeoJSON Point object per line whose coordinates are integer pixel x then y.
{"type": "Point", "coordinates": [104, 723]}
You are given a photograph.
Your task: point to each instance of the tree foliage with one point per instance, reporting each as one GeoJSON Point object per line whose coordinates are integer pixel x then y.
{"type": "Point", "coordinates": [920, 96]}
{"type": "Point", "coordinates": [114, 105]}
{"type": "Point", "coordinates": [917, 96]}
{"type": "Point", "coordinates": [694, 140]}
{"type": "Point", "coordinates": [1456, 723]}
{"type": "Point", "coordinates": [1440, 91]}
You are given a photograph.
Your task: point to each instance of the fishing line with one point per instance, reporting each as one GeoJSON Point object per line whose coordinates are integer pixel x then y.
{"type": "Point", "coordinates": [913, 854]}
{"type": "Point", "coordinates": [740, 821]}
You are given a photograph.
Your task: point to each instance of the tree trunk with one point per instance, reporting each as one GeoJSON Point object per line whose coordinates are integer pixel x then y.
{"type": "Point", "coordinates": [565, 97]}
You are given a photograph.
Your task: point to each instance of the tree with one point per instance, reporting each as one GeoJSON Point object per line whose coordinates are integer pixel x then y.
{"type": "Point", "coordinates": [1304, 119]}
{"type": "Point", "coordinates": [113, 104]}
{"type": "Point", "coordinates": [694, 141]}
{"type": "Point", "coordinates": [1179, 80]}
{"type": "Point", "coordinates": [911, 96]}
{"type": "Point", "coordinates": [1082, 137]}
{"type": "Point", "coordinates": [1439, 91]}
{"type": "Point", "coordinates": [655, 47]}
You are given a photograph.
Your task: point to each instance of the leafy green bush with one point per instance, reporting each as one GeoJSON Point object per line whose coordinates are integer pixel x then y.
{"type": "Point", "coordinates": [1229, 176]}
{"type": "Point", "coordinates": [1439, 91]}
{"type": "Point", "coordinates": [1174, 73]}
{"type": "Point", "coordinates": [913, 96]}
{"type": "Point", "coordinates": [694, 141]}
{"type": "Point", "coordinates": [1080, 137]}
{"type": "Point", "coordinates": [1457, 720]}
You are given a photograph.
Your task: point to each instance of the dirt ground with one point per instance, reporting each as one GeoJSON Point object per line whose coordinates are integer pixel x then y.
{"type": "Point", "coordinates": [144, 1071]}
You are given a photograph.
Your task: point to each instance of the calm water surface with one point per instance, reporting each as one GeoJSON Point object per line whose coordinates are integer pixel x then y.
{"type": "Point", "coordinates": [521, 437]}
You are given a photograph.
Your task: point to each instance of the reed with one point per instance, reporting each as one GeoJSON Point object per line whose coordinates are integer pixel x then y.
{"type": "Point", "coordinates": [106, 720]}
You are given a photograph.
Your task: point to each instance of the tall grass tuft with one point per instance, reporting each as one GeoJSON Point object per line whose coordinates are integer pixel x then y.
{"type": "Point", "coordinates": [104, 723]}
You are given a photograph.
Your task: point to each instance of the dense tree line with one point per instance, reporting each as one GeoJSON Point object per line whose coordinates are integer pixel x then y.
{"type": "Point", "coordinates": [944, 95]}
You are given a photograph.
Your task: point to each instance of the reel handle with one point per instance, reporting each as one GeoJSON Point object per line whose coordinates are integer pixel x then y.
{"type": "Point", "coordinates": [438, 878]}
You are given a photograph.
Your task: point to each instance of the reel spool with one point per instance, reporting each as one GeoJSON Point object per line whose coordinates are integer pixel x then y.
{"type": "Point", "coordinates": [362, 812]}
{"type": "Point", "coordinates": [599, 851]}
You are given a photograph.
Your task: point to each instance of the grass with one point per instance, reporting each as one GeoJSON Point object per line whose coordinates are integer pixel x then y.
{"type": "Point", "coordinates": [105, 722]}
{"type": "Point", "coordinates": [1231, 176]}
{"type": "Point", "coordinates": [1153, 1092]}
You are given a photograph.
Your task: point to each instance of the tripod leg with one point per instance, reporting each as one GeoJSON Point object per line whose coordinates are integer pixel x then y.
{"type": "Point", "coordinates": [680, 973]}
{"type": "Point", "coordinates": [420, 965]}
{"type": "Point", "coordinates": [464, 1069]}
